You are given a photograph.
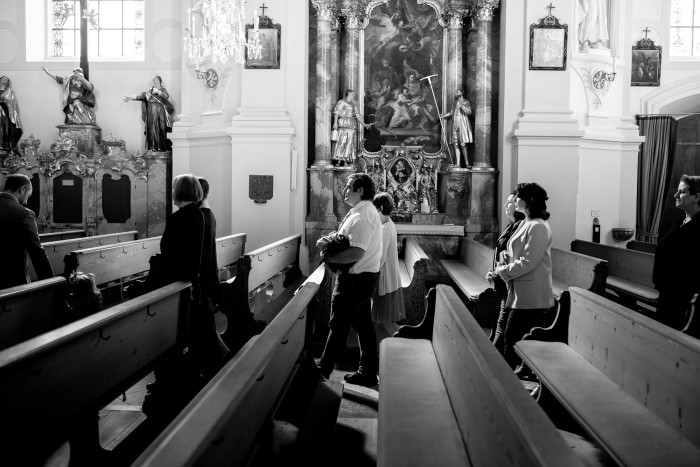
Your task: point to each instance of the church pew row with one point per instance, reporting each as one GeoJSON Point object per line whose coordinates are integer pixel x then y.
{"type": "Point", "coordinates": [569, 269]}
{"type": "Point", "coordinates": [629, 273]}
{"type": "Point", "coordinates": [413, 267]}
{"type": "Point", "coordinates": [61, 235]}
{"type": "Point", "coordinates": [455, 402]}
{"type": "Point", "coordinates": [630, 382]}
{"type": "Point", "coordinates": [57, 250]}
{"type": "Point", "coordinates": [53, 384]}
{"type": "Point", "coordinates": [265, 281]}
{"type": "Point", "coordinates": [231, 420]}
{"type": "Point", "coordinates": [31, 309]}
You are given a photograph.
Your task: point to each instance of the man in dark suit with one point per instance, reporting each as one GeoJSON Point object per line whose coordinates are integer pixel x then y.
{"type": "Point", "coordinates": [19, 236]}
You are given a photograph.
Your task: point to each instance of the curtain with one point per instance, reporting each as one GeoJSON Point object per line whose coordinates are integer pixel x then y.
{"type": "Point", "coordinates": [653, 176]}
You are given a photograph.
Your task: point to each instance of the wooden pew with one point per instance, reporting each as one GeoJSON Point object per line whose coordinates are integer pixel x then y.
{"type": "Point", "coordinates": [455, 401]}
{"type": "Point", "coordinates": [413, 267]}
{"type": "Point", "coordinates": [115, 263]}
{"type": "Point", "coordinates": [629, 381]}
{"type": "Point", "coordinates": [229, 250]}
{"type": "Point", "coordinates": [642, 246]}
{"type": "Point", "coordinates": [57, 250]}
{"type": "Point", "coordinates": [53, 385]}
{"type": "Point", "coordinates": [570, 269]}
{"type": "Point", "coordinates": [468, 273]}
{"type": "Point", "coordinates": [629, 272]}
{"type": "Point", "coordinates": [31, 309]}
{"type": "Point", "coordinates": [230, 422]}
{"type": "Point", "coordinates": [265, 281]}
{"type": "Point", "coordinates": [61, 235]}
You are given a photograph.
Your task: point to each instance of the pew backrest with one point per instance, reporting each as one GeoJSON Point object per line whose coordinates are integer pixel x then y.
{"type": "Point", "coordinates": [57, 250]}
{"type": "Point", "coordinates": [115, 262]}
{"type": "Point", "coordinates": [657, 365]}
{"type": "Point", "coordinates": [642, 246]}
{"type": "Point", "coordinates": [500, 423]}
{"type": "Point", "coordinates": [46, 381]}
{"type": "Point", "coordinates": [571, 269]}
{"type": "Point", "coordinates": [222, 423]}
{"type": "Point", "coordinates": [228, 251]}
{"type": "Point", "coordinates": [630, 265]}
{"type": "Point", "coordinates": [477, 256]}
{"type": "Point", "coordinates": [31, 309]}
{"type": "Point", "coordinates": [267, 261]}
{"type": "Point", "coordinates": [415, 259]}
{"type": "Point", "coordinates": [60, 235]}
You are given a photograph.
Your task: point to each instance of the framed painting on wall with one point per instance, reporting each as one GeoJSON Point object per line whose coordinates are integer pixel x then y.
{"type": "Point", "coordinates": [548, 44]}
{"type": "Point", "coordinates": [646, 63]}
{"type": "Point", "coordinates": [269, 37]}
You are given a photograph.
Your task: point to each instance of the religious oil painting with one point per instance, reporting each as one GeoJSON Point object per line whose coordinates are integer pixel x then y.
{"type": "Point", "coordinates": [401, 171]}
{"type": "Point", "coordinates": [403, 74]}
{"type": "Point", "coordinates": [548, 44]}
{"type": "Point", "coordinates": [270, 44]}
{"type": "Point", "coordinates": [646, 65]}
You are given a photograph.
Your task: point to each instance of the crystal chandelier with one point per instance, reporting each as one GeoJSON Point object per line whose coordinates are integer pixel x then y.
{"type": "Point", "coordinates": [222, 32]}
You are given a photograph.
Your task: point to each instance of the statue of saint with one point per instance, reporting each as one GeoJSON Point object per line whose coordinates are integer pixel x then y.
{"type": "Point", "coordinates": [78, 98]}
{"type": "Point", "coordinates": [593, 24]}
{"type": "Point", "coordinates": [344, 116]}
{"type": "Point", "coordinates": [10, 125]}
{"type": "Point", "coordinates": [461, 131]}
{"type": "Point", "coordinates": [156, 113]}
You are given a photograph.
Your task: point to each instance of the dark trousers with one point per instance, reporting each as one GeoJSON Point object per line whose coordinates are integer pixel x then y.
{"type": "Point", "coordinates": [673, 307]}
{"type": "Point", "coordinates": [518, 323]}
{"type": "Point", "coordinates": [351, 306]}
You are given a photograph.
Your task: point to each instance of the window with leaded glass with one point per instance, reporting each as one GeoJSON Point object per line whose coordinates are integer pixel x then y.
{"type": "Point", "coordinates": [685, 28]}
{"type": "Point", "coordinates": [115, 28]}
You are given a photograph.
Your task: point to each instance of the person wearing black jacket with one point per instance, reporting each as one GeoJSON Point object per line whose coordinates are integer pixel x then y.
{"type": "Point", "coordinates": [19, 236]}
{"type": "Point", "coordinates": [676, 275]}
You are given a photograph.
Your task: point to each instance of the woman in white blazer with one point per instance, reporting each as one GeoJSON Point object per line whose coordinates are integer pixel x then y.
{"type": "Point", "coordinates": [526, 267]}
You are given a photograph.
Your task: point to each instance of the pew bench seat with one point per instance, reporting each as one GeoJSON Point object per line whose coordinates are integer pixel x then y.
{"type": "Point", "coordinates": [633, 289]}
{"type": "Point", "coordinates": [628, 431]}
{"type": "Point", "coordinates": [470, 282]}
{"type": "Point", "coordinates": [419, 426]}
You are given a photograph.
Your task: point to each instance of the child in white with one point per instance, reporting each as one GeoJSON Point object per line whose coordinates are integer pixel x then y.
{"type": "Point", "coordinates": [387, 303]}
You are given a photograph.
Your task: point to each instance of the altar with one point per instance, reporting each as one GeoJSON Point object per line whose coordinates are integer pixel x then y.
{"type": "Point", "coordinates": [405, 61]}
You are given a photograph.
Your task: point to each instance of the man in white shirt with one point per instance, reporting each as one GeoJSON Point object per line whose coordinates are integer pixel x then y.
{"type": "Point", "coordinates": [351, 303]}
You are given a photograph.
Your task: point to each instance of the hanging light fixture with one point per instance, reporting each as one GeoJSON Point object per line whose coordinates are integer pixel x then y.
{"type": "Point", "coordinates": [222, 32]}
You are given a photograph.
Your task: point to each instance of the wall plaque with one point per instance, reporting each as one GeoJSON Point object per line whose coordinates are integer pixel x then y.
{"type": "Point", "coordinates": [260, 188]}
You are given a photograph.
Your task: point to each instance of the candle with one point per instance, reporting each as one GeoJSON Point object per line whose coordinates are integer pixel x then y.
{"type": "Point", "coordinates": [255, 21]}
{"type": "Point", "coordinates": [194, 24]}
{"type": "Point", "coordinates": [613, 63]}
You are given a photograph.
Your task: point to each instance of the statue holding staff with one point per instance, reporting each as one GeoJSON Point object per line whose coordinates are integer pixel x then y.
{"type": "Point", "coordinates": [461, 130]}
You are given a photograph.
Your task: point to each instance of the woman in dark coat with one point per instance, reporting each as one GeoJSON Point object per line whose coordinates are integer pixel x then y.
{"type": "Point", "coordinates": [677, 257]}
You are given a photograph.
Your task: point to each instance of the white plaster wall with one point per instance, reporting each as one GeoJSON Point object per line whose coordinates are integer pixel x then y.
{"type": "Point", "coordinates": [39, 97]}
{"type": "Point", "coordinates": [656, 16]}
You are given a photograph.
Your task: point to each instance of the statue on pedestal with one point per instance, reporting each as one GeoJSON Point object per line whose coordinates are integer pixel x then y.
{"type": "Point", "coordinates": [461, 131]}
{"type": "Point", "coordinates": [156, 113]}
{"type": "Point", "coordinates": [345, 126]}
{"type": "Point", "coordinates": [78, 97]}
{"type": "Point", "coordinates": [10, 125]}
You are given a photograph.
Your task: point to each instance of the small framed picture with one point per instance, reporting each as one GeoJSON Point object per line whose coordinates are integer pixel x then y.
{"type": "Point", "coordinates": [646, 63]}
{"type": "Point", "coordinates": [268, 39]}
{"type": "Point", "coordinates": [548, 44]}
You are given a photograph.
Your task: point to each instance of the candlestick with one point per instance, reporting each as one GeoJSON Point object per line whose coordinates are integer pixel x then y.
{"type": "Point", "coordinates": [613, 63]}
{"type": "Point", "coordinates": [255, 21]}
{"type": "Point", "coordinates": [189, 20]}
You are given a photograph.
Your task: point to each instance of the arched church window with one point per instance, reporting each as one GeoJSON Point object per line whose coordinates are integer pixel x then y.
{"type": "Point", "coordinates": [685, 28]}
{"type": "Point", "coordinates": [114, 28]}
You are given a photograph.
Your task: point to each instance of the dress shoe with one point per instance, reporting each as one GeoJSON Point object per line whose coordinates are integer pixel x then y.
{"type": "Point", "coordinates": [361, 379]}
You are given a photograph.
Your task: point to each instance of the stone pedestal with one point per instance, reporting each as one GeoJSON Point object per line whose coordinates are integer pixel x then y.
{"type": "Point", "coordinates": [159, 202]}
{"type": "Point", "coordinates": [88, 138]}
{"type": "Point", "coordinates": [454, 186]}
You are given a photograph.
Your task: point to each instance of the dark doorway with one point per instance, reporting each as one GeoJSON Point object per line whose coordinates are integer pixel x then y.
{"type": "Point", "coordinates": [116, 199]}
{"type": "Point", "coordinates": [67, 199]}
{"type": "Point", "coordinates": [34, 201]}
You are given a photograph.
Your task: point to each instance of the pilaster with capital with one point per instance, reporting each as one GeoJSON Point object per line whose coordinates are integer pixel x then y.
{"type": "Point", "coordinates": [354, 23]}
{"type": "Point", "coordinates": [453, 19]}
{"type": "Point", "coordinates": [482, 119]}
{"type": "Point", "coordinates": [327, 15]}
